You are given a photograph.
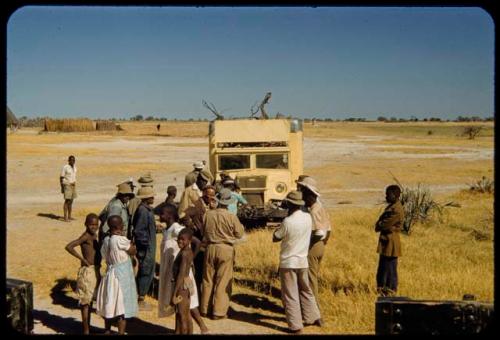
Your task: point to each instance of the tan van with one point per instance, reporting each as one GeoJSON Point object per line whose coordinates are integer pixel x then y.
{"type": "Point", "coordinates": [263, 156]}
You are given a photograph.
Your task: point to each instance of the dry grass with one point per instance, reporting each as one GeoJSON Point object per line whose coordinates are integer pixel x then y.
{"type": "Point", "coordinates": [440, 261]}
{"type": "Point", "coordinates": [105, 125]}
{"type": "Point", "coordinates": [168, 128]}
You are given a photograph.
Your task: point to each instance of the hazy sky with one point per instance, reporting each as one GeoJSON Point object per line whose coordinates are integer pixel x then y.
{"type": "Point", "coordinates": [317, 62]}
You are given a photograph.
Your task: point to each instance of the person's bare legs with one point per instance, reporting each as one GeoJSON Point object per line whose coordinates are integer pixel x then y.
{"type": "Point", "coordinates": [195, 313]}
{"type": "Point", "coordinates": [70, 206]}
{"type": "Point", "coordinates": [184, 314]}
{"type": "Point", "coordinates": [65, 209]}
{"type": "Point", "coordinates": [107, 326]}
{"type": "Point", "coordinates": [85, 309]}
{"type": "Point", "coordinates": [122, 323]}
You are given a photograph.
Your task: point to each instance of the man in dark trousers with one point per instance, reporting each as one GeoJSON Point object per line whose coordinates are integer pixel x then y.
{"type": "Point", "coordinates": [389, 225]}
{"type": "Point", "coordinates": [145, 241]}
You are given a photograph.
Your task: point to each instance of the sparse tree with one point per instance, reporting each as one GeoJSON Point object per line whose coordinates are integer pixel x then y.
{"type": "Point", "coordinates": [472, 131]}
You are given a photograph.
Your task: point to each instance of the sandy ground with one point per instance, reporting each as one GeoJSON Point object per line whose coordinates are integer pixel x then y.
{"type": "Point", "coordinates": [34, 205]}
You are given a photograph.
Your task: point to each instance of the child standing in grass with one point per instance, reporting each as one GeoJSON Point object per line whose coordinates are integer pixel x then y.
{"type": "Point", "coordinates": [117, 293]}
{"type": "Point", "coordinates": [184, 285]}
{"type": "Point", "coordinates": [88, 274]}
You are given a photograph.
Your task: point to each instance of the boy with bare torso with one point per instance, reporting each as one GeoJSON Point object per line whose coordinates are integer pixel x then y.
{"type": "Point", "coordinates": [184, 285]}
{"type": "Point", "coordinates": [88, 274]}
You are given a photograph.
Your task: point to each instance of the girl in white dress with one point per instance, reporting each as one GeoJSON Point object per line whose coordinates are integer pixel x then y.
{"type": "Point", "coordinates": [168, 251]}
{"type": "Point", "coordinates": [117, 292]}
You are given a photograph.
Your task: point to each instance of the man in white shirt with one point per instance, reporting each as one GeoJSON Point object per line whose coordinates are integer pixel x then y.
{"type": "Point", "coordinates": [296, 293]}
{"type": "Point", "coordinates": [321, 229]}
{"type": "Point", "coordinates": [68, 186]}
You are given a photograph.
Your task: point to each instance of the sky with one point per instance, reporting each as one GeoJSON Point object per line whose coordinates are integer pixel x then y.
{"type": "Point", "coordinates": [324, 62]}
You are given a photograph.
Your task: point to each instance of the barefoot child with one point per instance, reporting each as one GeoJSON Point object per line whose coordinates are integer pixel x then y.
{"type": "Point", "coordinates": [88, 274]}
{"type": "Point", "coordinates": [117, 293]}
{"type": "Point", "coordinates": [169, 250]}
{"type": "Point", "coordinates": [184, 285]}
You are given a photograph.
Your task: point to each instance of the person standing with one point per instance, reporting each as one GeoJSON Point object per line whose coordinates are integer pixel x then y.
{"type": "Point", "coordinates": [190, 194]}
{"type": "Point", "coordinates": [321, 229]}
{"type": "Point", "coordinates": [116, 206]}
{"type": "Point", "coordinates": [68, 187]}
{"type": "Point", "coordinates": [145, 241]}
{"type": "Point", "coordinates": [230, 184]}
{"type": "Point", "coordinates": [296, 293]}
{"type": "Point", "coordinates": [221, 230]}
{"type": "Point", "coordinates": [389, 225]}
{"type": "Point", "coordinates": [194, 219]}
{"type": "Point", "coordinates": [144, 181]}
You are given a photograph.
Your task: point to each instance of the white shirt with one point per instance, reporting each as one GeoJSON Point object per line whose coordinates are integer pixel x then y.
{"type": "Point", "coordinates": [114, 249]}
{"type": "Point", "coordinates": [69, 174]}
{"type": "Point", "coordinates": [295, 235]}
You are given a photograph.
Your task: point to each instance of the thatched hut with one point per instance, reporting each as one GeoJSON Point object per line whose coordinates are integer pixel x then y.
{"type": "Point", "coordinates": [69, 125]}
{"type": "Point", "coordinates": [105, 125]}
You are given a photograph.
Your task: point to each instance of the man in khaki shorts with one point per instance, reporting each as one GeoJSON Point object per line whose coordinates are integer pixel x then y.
{"type": "Point", "coordinates": [221, 231]}
{"type": "Point", "coordinates": [68, 186]}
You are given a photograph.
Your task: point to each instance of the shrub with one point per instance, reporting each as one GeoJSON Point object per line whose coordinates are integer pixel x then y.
{"type": "Point", "coordinates": [471, 131]}
{"type": "Point", "coordinates": [484, 185]}
{"type": "Point", "coordinates": [419, 205]}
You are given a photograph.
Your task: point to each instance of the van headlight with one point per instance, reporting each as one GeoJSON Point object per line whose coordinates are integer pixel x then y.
{"type": "Point", "coordinates": [280, 188]}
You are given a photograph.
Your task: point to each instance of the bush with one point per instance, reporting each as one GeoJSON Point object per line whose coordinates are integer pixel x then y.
{"type": "Point", "coordinates": [419, 205]}
{"type": "Point", "coordinates": [484, 185]}
{"type": "Point", "coordinates": [471, 131]}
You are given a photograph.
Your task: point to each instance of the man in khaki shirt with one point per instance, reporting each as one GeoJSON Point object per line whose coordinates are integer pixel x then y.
{"type": "Point", "coordinates": [221, 231]}
{"type": "Point", "coordinates": [321, 230]}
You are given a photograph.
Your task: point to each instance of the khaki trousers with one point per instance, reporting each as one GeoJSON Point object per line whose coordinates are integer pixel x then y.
{"type": "Point", "coordinates": [298, 298]}
{"type": "Point", "coordinates": [314, 259]}
{"type": "Point", "coordinates": [217, 279]}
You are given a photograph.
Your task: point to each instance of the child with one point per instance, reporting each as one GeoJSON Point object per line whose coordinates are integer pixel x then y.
{"type": "Point", "coordinates": [389, 225]}
{"type": "Point", "coordinates": [117, 293]}
{"type": "Point", "coordinates": [169, 250]}
{"type": "Point", "coordinates": [184, 285]}
{"type": "Point", "coordinates": [88, 274]}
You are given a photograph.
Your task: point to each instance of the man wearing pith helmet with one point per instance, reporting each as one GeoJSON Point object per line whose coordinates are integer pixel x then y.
{"type": "Point", "coordinates": [145, 241]}
{"type": "Point", "coordinates": [294, 234]}
{"type": "Point", "coordinates": [321, 229]}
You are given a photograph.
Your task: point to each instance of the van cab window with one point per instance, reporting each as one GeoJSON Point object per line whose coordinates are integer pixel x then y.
{"type": "Point", "coordinates": [230, 162]}
{"type": "Point", "coordinates": [272, 161]}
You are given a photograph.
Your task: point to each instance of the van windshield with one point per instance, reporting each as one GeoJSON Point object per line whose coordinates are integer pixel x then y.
{"type": "Point", "coordinates": [230, 162]}
{"type": "Point", "coordinates": [272, 161]}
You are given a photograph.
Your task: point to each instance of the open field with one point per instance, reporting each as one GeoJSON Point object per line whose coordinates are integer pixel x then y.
{"type": "Point", "coordinates": [443, 259]}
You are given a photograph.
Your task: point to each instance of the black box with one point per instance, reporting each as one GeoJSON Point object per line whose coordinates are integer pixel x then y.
{"type": "Point", "coordinates": [401, 315]}
{"type": "Point", "coordinates": [19, 306]}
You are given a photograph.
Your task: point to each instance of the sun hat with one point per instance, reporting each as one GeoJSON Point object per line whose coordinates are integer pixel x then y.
{"type": "Point", "coordinates": [145, 179]}
{"type": "Point", "coordinates": [295, 197]}
{"type": "Point", "coordinates": [310, 184]}
{"type": "Point", "coordinates": [129, 181]}
{"type": "Point", "coordinates": [125, 189]}
{"type": "Point", "coordinates": [145, 192]}
{"type": "Point", "coordinates": [198, 165]}
{"type": "Point", "coordinates": [225, 197]}
{"type": "Point", "coordinates": [228, 180]}
{"type": "Point", "coordinates": [301, 178]}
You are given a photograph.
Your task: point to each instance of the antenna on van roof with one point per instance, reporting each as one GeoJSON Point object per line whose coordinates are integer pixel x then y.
{"type": "Point", "coordinates": [254, 109]}
{"type": "Point", "coordinates": [211, 108]}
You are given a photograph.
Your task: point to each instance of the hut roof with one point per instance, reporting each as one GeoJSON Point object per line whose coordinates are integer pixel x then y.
{"type": "Point", "coordinates": [11, 118]}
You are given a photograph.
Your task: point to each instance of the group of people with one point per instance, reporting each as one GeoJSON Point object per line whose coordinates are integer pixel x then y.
{"type": "Point", "coordinates": [197, 251]}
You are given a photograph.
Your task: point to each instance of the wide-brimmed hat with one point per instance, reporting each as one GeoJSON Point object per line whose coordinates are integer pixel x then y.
{"type": "Point", "coordinates": [228, 180]}
{"type": "Point", "coordinates": [301, 178]}
{"type": "Point", "coordinates": [125, 189]}
{"type": "Point", "coordinates": [145, 179]}
{"type": "Point", "coordinates": [198, 165]}
{"type": "Point", "coordinates": [295, 197]}
{"type": "Point", "coordinates": [225, 197]}
{"type": "Point", "coordinates": [310, 184]}
{"type": "Point", "coordinates": [145, 192]}
{"type": "Point", "coordinates": [129, 181]}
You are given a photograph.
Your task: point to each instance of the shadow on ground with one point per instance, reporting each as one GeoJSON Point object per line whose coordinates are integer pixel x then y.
{"type": "Point", "coordinates": [51, 216]}
{"type": "Point", "coordinates": [262, 287]}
